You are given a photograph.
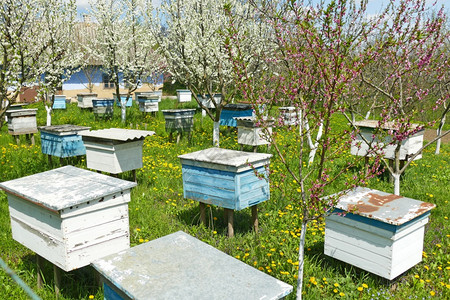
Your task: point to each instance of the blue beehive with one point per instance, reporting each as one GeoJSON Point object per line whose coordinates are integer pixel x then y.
{"type": "Point", "coordinates": [225, 178]}
{"type": "Point", "coordinates": [231, 111]}
{"type": "Point", "coordinates": [103, 107]}
{"type": "Point", "coordinates": [123, 97]}
{"type": "Point", "coordinates": [60, 102]}
{"type": "Point", "coordinates": [62, 140]}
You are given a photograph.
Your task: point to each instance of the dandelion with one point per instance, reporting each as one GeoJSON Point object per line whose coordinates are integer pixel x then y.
{"type": "Point", "coordinates": [141, 240]}
{"type": "Point", "coordinates": [336, 284]}
{"type": "Point", "coordinates": [360, 288]}
{"type": "Point", "coordinates": [341, 294]}
{"type": "Point", "coordinates": [365, 286]}
{"type": "Point", "coordinates": [91, 296]}
{"type": "Point", "coordinates": [432, 293]}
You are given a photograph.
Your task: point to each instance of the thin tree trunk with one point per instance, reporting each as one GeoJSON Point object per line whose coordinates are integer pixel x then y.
{"type": "Point", "coordinates": [396, 183]}
{"type": "Point", "coordinates": [216, 133]}
{"type": "Point", "coordinates": [49, 115]}
{"type": "Point", "coordinates": [439, 132]}
{"type": "Point", "coordinates": [301, 260]}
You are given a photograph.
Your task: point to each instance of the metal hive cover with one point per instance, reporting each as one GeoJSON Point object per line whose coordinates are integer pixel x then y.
{"type": "Point", "coordinates": [65, 129]}
{"type": "Point", "coordinates": [381, 206]}
{"type": "Point", "coordinates": [118, 134]}
{"type": "Point", "coordinates": [375, 124]}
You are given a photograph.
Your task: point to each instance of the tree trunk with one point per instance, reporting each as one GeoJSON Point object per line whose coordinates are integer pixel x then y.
{"type": "Point", "coordinates": [216, 133]}
{"type": "Point", "coordinates": [301, 260]}
{"type": "Point", "coordinates": [123, 105]}
{"type": "Point", "coordinates": [49, 115]}
{"type": "Point", "coordinates": [439, 132]}
{"type": "Point", "coordinates": [396, 183]}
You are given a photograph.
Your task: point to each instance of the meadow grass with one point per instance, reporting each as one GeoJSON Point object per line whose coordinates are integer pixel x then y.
{"type": "Point", "coordinates": [158, 208]}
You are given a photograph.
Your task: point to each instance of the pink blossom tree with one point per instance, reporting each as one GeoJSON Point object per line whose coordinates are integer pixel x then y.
{"type": "Point", "coordinates": [323, 52]}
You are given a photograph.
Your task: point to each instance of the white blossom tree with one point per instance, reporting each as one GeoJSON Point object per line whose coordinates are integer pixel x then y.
{"type": "Point", "coordinates": [190, 35]}
{"type": "Point", "coordinates": [26, 44]}
{"type": "Point", "coordinates": [58, 60]}
{"type": "Point", "coordinates": [122, 45]}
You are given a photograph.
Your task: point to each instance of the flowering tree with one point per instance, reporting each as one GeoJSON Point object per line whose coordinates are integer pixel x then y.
{"type": "Point", "coordinates": [27, 49]}
{"type": "Point", "coordinates": [189, 35]}
{"type": "Point", "coordinates": [122, 45]}
{"type": "Point", "coordinates": [321, 52]}
{"type": "Point", "coordinates": [57, 61]}
{"type": "Point", "coordinates": [410, 55]}
{"type": "Point", "coordinates": [322, 57]}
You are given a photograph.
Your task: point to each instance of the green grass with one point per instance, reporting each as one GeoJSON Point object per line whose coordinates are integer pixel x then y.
{"type": "Point", "coordinates": [158, 208]}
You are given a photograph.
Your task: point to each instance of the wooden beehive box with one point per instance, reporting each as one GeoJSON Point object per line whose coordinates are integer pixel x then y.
{"type": "Point", "coordinates": [114, 150]}
{"type": "Point", "coordinates": [181, 120]}
{"type": "Point", "coordinates": [103, 107]}
{"type": "Point", "coordinates": [123, 98]}
{"type": "Point", "coordinates": [70, 216]}
{"type": "Point", "coordinates": [59, 102]}
{"type": "Point", "coordinates": [367, 127]}
{"type": "Point", "coordinates": [22, 121]}
{"type": "Point", "coordinates": [249, 133]}
{"type": "Point", "coordinates": [224, 177]}
{"type": "Point", "coordinates": [85, 100]}
{"type": "Point", "coordinates": [179, 266]}
{"type": "Point", "coordinates": [207, 102]}
{"type": "Point", "coordinates": [231, 111]}
{"type": "Point", "coordinates": [148, 102]}
{"type": "Point", "coordinates": [289, 115]}
{"type": "Point", "coordinates": [62, 140]}
{"type": "Point", "coordinates": [184, 96]}
{"type": "Point", "coordinates": [378, 232]}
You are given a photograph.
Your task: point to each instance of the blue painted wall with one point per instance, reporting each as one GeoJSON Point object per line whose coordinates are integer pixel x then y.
{"type": "Point", "coordinates": [225, 189]}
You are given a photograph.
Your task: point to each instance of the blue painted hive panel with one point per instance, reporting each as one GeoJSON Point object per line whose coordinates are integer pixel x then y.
{"type": "Point", "coordinates": [227, 116]}
{"type": "Point", "coordinates": [225, 189]}
{"type": "Point", "coordinates": [62, 146]}
{"type": "Point", "coordinates": [59, 103]}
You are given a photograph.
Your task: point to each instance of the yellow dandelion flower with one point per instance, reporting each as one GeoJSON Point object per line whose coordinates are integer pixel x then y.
{"type": "Point", "coordinates": [336, 284]}
{"type": "Point", "coordinates": [341, 294]}
{"type": "Point", "coordinates": [432, 293]}
{"type": "Point", "coordinates": [360, 288]}
{"type": "Point", "coordinates": [365, 286]}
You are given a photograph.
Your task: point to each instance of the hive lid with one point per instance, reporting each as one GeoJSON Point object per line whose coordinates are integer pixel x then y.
{"type": "Point", "coordinates": [65, 187]}
{"type": "Point", "coordinates": [238, 160]}
{"type": "Point", "coordinates": [118, 134]}
{"type": "Point", "coordinates": [386, 126]}
{"type": "Point", "coordinates": [237, 106]}
{"type": "Point", "coordinates": [179, 266]}
{"type": "Point", "coordinates": [66, 129]}
{"type": "Point", "coordinates": [381, 206]}
{"type": "Point", "coordinates": [22, 112]}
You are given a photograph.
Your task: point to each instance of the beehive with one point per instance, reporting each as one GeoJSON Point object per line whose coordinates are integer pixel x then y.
{"type": "Point", "coordinates": [59, 102]}
{"type": "Point", "coordinates": [184, 96]}
{"type": "Point", "coordinates": [289, 115]}
{"type": "Point", "coordinates": [85, 99]}
{"type": "Point", "coordinates": [181, 120]}
{"type": "Point", "coordinates": [249, 133]}
{"type": "Point", "coordinates": [377, 232]}
{"type": "Point", "coordinates": [231, 111]}
{"type": "Point", "coordinates": [148, 102]}
{"type": "Point", "coordinates": [22, 121]}
{"type": "Point", "coordinates": [70, 216]}
{"type": "Point", "coordinates": [409, 146]}
{"type": "Point", "coordinates": [225, 178]}
{"type": "Point", "coordinates": [62, 140]}
{"type": "Point", "coordinates": [207, 102]}
{"type": "Point", "coordinates": [103, 107]}
{"type": "Point", "coordinates": [179, 266]}
{"type": "Point", "coordinates": [114, 150]}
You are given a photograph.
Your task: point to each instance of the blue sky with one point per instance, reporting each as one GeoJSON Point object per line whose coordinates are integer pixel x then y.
{"type": "Point", "coordinates": [374, 6]}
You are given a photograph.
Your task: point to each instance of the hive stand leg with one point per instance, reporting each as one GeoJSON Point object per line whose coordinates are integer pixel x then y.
{"type": "Point", "coordinates": [57, 279]}
{"type": "Point", "coordinates": [134, 175]}
{"type": "Point", "coordinates": [39, 267]}
{"type": "Point", "coordinates": [179, 137]}
{"type": "Point", "coordinates": [242, 147]}
{"type": "Point", "coordinates": [255, 149]}
{"type": "Point", "coordinates": [230, 218]}
{"type": "Point", "coordinates": [61, 161]}
{"type": "Point", "coordinates": [17, 139]}
{"type": "Point", "coordinates": [202, 212]}
{"type": "Point", "coordinates": [255, 221]}
{"type": "Point", "coordinates": [49, 159]}
{"type": "Point", "coordinates": [170, 137]}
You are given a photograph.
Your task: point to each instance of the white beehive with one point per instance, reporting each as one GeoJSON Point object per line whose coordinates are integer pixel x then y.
{"type": "Point", "coordinates": [249, 133]}
{"type": "Point", "coordinates": [378, 232]}
{"type": "Point", "coordinates": [367, 127]}
{"type": "Point", "coordinates": [114, 150]}
{"type": "Point", "coordinates": [22, 121]}
{"type": "Point", "coordinates": [184, 96]}
{"type": "Point", "coordinates": [85, 99]}
{"type": "Point", "coordinates": [70, 216]}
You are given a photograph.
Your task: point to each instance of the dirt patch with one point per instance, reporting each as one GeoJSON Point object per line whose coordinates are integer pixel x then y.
{"type": "Point", "coordinates": [431, 134]}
